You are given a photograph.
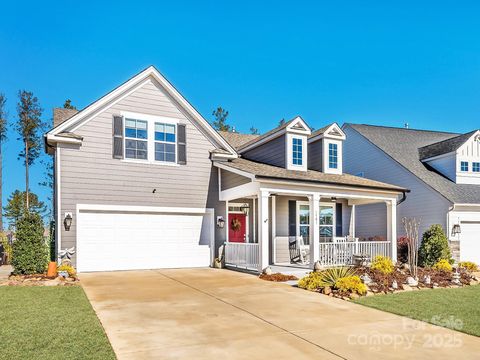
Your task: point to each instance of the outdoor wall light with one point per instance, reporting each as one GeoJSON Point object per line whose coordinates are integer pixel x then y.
{"type": "Point", "coordinates": [244, 208]}
{"type": "Point", "coordinates": [220, 222]}
{"type": "Point", "coordinates": [67, 221]}
{"type": "Point", "coordinates": [456, 230]}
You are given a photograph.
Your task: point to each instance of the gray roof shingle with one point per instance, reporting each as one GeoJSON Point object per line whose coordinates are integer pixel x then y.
{"type": "Point", "coordinates": [236, 139]}
{"type": "Point", "coordinates": [445, 146]}
{"type": "Point", "coordinates": [403, 145]}
{"type": "Point", "coordinates": [261, 170]}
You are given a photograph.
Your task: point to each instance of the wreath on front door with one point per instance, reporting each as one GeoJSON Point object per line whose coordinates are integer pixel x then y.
{"type": "Point", "coordinates": [235, 225]}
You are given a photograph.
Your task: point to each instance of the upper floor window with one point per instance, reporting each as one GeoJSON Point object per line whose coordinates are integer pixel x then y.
{"type": "Point", "coordinates": [165, 139]}
{"type": "Point", "coordinates": [332, 156]}
{"type": "Point", "coordinates": [464, 166]}
{"type": "Point", "coordinates": [476, 167]}
{"type": "Point", "coordinates": [297, 154]}
{"type": "Point", "coordinates": [136, 143]}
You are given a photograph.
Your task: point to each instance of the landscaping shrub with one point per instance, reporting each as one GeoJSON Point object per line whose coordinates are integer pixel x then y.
{"type": "Point", "coordinates": [68, 268]}
{"type": "Point", "coordinates": [402, 249]}
{"type": "Point", "coordinates": [434, 247]}
{"type": "Point", "coordinates": [443, 265]}
{"type": "Point", "coordinates": [351, 284]}
{"type": "Point", "coordinates": [30, 251]}
{"type": "Point", "coordinates": [468, 265]}
{"type": "Point", "coordinates": [321, 279]}
{"type": "Point", "coordinates": [382, 264]}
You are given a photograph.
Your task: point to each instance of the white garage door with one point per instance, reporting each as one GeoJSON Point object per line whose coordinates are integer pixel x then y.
{"type": "Point", "coordinates": [470, 242]}
{"type": "Point", "coordinates": [132, 241]}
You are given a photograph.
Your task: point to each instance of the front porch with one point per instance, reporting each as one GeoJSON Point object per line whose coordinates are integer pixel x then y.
{"type": "Point", "coordinates": [274, 225]}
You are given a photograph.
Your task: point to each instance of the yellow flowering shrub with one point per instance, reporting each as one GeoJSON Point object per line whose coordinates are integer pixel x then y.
{"type": "Point", "coordinates": [382, 264]}
{"type": "Point", "coordinates": [443, 265]}
{"type": "Point", "coordinates": [68, 268]}
{"type": "Point", "coordinates": [312, 281]}
{"type": "Point", "coordinates": [351, 284]}
{"type": "Point", "coordinates": [468, 265]}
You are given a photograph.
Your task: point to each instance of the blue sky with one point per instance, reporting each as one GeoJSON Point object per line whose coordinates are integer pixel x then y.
{"type": "Point", "coordinates": [348, 61]}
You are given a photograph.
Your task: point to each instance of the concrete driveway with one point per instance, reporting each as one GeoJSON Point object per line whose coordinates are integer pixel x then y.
{"type": "Point", "coordinates": [215, 314]}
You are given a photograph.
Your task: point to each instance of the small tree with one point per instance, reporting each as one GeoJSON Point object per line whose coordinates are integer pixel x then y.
{"type": "Point", "coordinates": [220, 122]}
{"type": "Point", "coordinates": [434, 246]}
{"type": "Point", "coordinates": [3, 136]}
{"type": "Point", "coordinates": [411, 229]}
{"type": "Point", "coordinates": [16, 206]}
{"type": "Point", "coordinates": [281, 122]}
{"type": "Point", "coordinates": [253, 131]}
{"type": "Point", "coordinates": [68, 105]}
{"type": "Point", "coordinates": [30, 250]}
{"type": "Point", "coordinates": [29, 127]}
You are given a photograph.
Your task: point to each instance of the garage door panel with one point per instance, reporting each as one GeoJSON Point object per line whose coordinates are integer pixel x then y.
{"type": "Point", "coordinates": [470, 242]}
{"type": "Point", "coordinates": [128, 241]}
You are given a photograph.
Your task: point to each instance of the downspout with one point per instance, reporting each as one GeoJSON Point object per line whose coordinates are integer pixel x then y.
{"type": "Point", "coordinates": [404, 197]}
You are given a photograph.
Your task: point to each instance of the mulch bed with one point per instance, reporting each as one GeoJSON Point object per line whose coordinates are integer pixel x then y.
{"type": "Point", "coordinates": [277, 277]}
{"type": "Point", "coordinates": [38, 280]}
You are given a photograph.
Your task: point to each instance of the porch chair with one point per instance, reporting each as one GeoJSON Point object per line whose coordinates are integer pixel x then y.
{"type": "Point", "coordinates": [304, 250]}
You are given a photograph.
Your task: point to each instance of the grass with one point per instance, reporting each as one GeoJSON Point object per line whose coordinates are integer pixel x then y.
{"type": "Point", "coordinates": [50, 323]}
{"type": "Point", "coordinates": [439, 306]}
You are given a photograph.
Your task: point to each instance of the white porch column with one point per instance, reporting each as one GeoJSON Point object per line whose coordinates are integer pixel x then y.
{"type": "Point", "coordinates": [352, 222]}
{"type": "Point", "coordinates": [392, 227]}
{"type": "Point", "coordinates": [273, 222]}
{"type": "Point", "coordinates": [263, 233]}
{"type": "Point", "coordinates": [314, 200]}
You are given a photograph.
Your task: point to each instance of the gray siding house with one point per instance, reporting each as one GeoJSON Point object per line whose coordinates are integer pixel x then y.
{"type": "Point", "coordinates": [142, 181]}
{"type": "Point", "coordinates": [442, 170]}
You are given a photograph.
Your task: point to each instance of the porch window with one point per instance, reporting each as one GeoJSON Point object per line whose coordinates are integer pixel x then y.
{"type": "Point", "coordinates": [136, 136]}
{"type": "Point", "coordinates": [165, 138]}
{"type": "Point", "coordinates": [326, 223]}
{"type": "Point", "coordinates": [464, 166]}
{"type": "Point", "coordinates": [332, 156]}
{"type": "Point", "coordinates": [476, 167]}
{"type": "Point", "coordinates": [304, 222]}
{"type": "Point", "coordinates": [297, 155]}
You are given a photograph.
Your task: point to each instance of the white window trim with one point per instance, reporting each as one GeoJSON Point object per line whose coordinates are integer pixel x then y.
{"type": "Point", "coordinates": [335, 146]}
{"type": "Point", "coordinates": [469, 168]}
{"type": "Point", "coordinates": [303, 203]}
{"type": "Point", "coordinates": [325, 157]}
{"type": "Point", "coordinates": [151, 120]}
{"type": "Point", "coordinates": [289, 152]}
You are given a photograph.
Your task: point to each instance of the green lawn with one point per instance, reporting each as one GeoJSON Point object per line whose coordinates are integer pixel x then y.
{"type": "Point", "coordinates": [50, 323]}
{"type": "Point", "coordinates": [444, 305]}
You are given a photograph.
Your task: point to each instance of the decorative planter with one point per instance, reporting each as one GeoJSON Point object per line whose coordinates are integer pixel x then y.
{"type": "Point", "coordinates": [52, 269]}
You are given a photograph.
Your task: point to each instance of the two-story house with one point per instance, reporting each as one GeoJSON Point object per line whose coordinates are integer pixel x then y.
{"type": "Point", "coordinates": [441, 169]}
{"type": "Point", "coordinates": [142, 181]}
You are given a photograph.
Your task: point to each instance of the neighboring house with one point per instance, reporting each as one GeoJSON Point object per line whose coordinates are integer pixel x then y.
{"type": "Point", "coordinates": [142, 181]}
{"type": "Point", "coordinates": [442, 170]}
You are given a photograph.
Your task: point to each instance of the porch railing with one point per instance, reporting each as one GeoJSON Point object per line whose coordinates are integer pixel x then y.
{"type": "Point", "coordinates": [341, 253]}
{"type": "Point", "coordinates": [242, 255]}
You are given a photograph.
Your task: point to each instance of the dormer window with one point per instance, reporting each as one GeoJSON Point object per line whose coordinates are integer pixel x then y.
{"type": "Point", "coordinates": [332, 156]}
{"type": "Point", "coordinates": [464, 166]}
{"type": "Point", "coordinates": [297, 151]}
{"type": "Point", "coordinates": [476, 167]}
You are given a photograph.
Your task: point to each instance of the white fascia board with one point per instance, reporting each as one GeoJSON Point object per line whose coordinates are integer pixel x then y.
{"type": "Point", "coordinates": [299, 120]}
{"type": "Point", "coordinates": [233, 170]}
{"type": "Point", "coordinates": [240, 191]}
{"type": "Point", "coordinates": [327, 136]}
{"type": "Point", "coordinates": [140, 209]}
{"type": "Point", "coordinates": [128, 87]}
{"type": "Point", "coordinates": [53, 139]}
{"type": "Point", "coordinates": [331, 189]}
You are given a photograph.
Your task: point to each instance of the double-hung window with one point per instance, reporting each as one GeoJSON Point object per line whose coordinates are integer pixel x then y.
{"type": "Point", "coordinates": [476, 167]}
{"type": "Point", "coordinates": [165, 140]}
{"type": "Point", "coordinates": [332, 156]}
{"type": "Point", "coordinates": [297, 151]}
{"type": "Point", "coordinates": [464, 166]}
{"type": "Point", "coordinates": [136, 139]}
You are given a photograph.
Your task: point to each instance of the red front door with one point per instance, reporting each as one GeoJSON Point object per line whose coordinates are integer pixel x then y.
{"type": "Point", "coordinates": [237, 227]}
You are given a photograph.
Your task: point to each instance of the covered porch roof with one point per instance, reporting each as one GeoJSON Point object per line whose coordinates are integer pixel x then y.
{"type": "Point", "coordinates": [262, 172]}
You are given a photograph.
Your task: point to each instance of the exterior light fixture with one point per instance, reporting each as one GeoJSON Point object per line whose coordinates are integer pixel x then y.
{"type": "Point", "coordinates": [67, 221]}
{"type": "Point", "coordinates": [456, 230]}
{"type": "Point", "coordinates": [220, 222]}
{"type": "Point", "coordinates": [244, 208]}
{"type": "Point", "coordinates": [333, 199]}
